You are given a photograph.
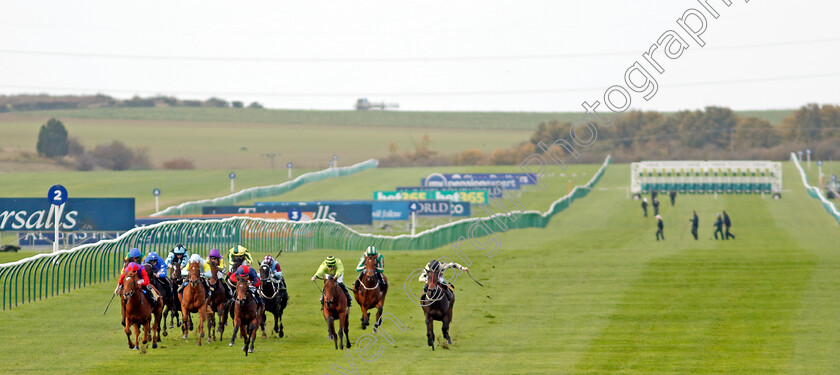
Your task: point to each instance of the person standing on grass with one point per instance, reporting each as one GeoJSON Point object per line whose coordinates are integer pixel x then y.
{"type": "Point", "coordinates": [655, 206]}
{"type": "Point", "coordinates": [694, 224]}
{"type": "Point", "coordinates": [719, 225]}
{"type": "Point", "coordinates": [660, 231]}
{"type": "Point", "coordinates": [727, 223]}
{"type": "Point", "coordinates": [673, 196]}
{"type": "Point", "coordinates": [644, 205]}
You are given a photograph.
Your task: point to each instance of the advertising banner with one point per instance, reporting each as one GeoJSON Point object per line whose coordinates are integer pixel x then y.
{"type": "Point", "coordinates": [492, 191]}
{"type": "Point", "coordinates": [347, 212]}
{"type": "Point", "coordinates": [443, 208]}
{"type": "Point", "coordinates": [472, 196]}
{"type": "Point", "coordinates": [390, 210]}
{"type": "Point", "coordinates": [79, 214]}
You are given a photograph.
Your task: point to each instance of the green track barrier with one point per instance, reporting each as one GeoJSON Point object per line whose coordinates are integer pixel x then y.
{"type": "Point", "coordinates": [814, 191]}
{"type": "Point", "coordinates": [46, 275]}
{"type": "Point", "coordinates": [194, 208]}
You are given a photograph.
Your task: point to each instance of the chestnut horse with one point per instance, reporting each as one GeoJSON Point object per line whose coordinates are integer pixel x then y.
{"type": "Point", "coordinates": [138, 313]}
{"type": "Point", "coordinates": [369, 294]}
{"type": "Point", "coordinates": [437, 305]}
{"type": "Point", "coordinates": [217, 303]}
{"type": "Point", "coordinates": [193, 301]}
{"type": "Point", "coordinates": [246, 314]}
{"type": "Point", "coordinates": [335, 307]}
{"type": "Point", "coordinates": [173, 305]}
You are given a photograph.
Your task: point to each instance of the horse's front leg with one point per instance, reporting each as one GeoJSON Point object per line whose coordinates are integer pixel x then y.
{"type": "Point", "coordinates": [128, 333]}
{"type": "Point", "coordinates": [445, 328]}
{"type": "Point", "coordinates": [234, 332]}
{"type": "Point", "coordinates": [378, 318]}
{"type": "Point", "coordinates": [146, 329]}
{"type": "Point", "coordinates": [253, 338]}
{"type": "Point", "coordinates": [137, 328]}
{"type": "Point", "coordinates": [262, 324]}
{"type": "Point", "coordinates": [346, 325]}
{"type": "Point", "coordinates": [430, 331]}
{"type": "Point", "coordinates": [331, 331]}
{"type": "Point", "coordinates": [202, 317]}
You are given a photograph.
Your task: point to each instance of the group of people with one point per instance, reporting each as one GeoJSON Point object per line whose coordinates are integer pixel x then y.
{"type": "Point", "coordinates": [239, 261]}
{"type": "Point", "coordinates": [722, 223]}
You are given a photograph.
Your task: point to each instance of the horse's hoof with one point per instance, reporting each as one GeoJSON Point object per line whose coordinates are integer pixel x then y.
{"type": "Point", "coordinates": [280, 333]}
{"type": "Point", "coordinates": [250, 350]}
{"type": "Point", "coordinates": [154, 346]}
{"type": "Point", "coordinates": [165, 334]}
{"type": "Point", "coordinates": [449, 341]}
{"type": "Point", "coordinates": [231, 344]}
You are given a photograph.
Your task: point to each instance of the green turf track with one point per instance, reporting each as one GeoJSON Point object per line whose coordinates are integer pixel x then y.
{"type": "Point", "coordinates": [591, 293]}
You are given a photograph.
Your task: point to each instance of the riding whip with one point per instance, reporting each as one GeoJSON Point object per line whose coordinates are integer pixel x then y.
{"type": "Point", "coordinates": [319, 288]}
{"type": "Point", "coordinates": [476, 281]}
{"type": "Point", "coordinates": [109, 303]}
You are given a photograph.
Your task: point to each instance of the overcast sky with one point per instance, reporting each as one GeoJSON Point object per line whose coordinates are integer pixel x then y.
{"type": "Point", "coordinates": [432, 55]}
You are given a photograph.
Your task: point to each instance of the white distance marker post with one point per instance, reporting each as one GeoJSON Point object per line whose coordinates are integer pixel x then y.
{"type": "Point", "coordinates": [808, 154]}
{"type": "Point", "coordinates": [335, 161]}
{"type": "Point", "coordinates": [819, 167]}
{"type": "Point", "coordinates": [413, 207]}
{"type": "Point", "coordinates": [289, 166]}
{"type": "Point", "coordinates": [232, 178]}
{"type": "Point", "coordinates": [57, 195]}
{"type": "Point", "coordinates": [156, 193]}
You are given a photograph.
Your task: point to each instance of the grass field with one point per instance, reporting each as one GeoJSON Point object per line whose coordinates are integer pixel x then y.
{"type": "Point", "coordinates": [592, 293]}
{"type": "Point", "coordinates": [215, 137]}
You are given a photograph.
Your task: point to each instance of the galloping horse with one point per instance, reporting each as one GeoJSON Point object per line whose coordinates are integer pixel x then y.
{"type": "Point", "coordinates": [165, 292]}
{"type": "Point", "coordinates": [173, 305]}
{"type": "Point", "coordinates": [193, 301]}
{"type": "Point", "coordinates": [275, 298]}
{"type": "Point", "coordinates": [217, 303]}
{"type": "Point", "coordinates": [437, 305]}
{"type": "Point", "coordinates": [368, 293]}
{"type": "Point", "coordinates": [246, 315]}
{"type": "Point", "coordinates": [138, 312]}
{"type": "Point", "coordinates": [335, 307]}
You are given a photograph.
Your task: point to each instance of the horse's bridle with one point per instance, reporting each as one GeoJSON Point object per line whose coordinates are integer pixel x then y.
{"type": "Point", "coordinates": [370, 274]}
{"type": "Point", "coordinates": [244, 301]}
{"type": "Point", "coordinates": [275, 283]}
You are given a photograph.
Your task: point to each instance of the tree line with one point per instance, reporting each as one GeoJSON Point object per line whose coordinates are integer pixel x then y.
{"type": "Point", "coordinates": [714, 133]}
{"type": "Point", "coordinates": [47, 102]}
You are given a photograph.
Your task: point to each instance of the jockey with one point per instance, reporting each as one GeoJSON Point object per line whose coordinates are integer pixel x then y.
{"type": "Point", "coordinates": [276, 272]}
{"type": "Point", "coordinates": [380, 267]}
{"type": "Point", "coordinates": [237, 256]}
{"type": "Point", "coordinates": [435, 267]}
{"type": "Point", "coordinates": [333, 266]}
{"type": "Point", "coordinates": [205, 274]}
{"type": "Point", "coordinates": [216, 255]}
{"type": "Point", "coordinates": [178, 254]}
{"type": "Point", "coordinates": [253, 279]}
{"type": "Point", "coordinates": [149, 290]}
{"type": "Point", "coordinates": [157, 263]}
{"type": "Point", "coordinates": [133, 256]}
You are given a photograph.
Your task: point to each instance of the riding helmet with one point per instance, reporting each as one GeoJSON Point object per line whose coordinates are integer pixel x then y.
{"type": "Point", "coordinates": [268, 259]}
{"type": "Point", "coordinates": [434, 265]}
{"type": "Point", "coordinates": [371, 250]}
{"type": "Point", "coordinates": [196, 258]}
{"type": "Point", "coordinates": [134, 253]}
{"type": "Point", "coordinates": [214, 253]}
{"type": "Point", "coordinates": [330, 260]}
{"type": "Point", "coordinates": [179, 249]}
{"type": "Point", "coordinates": [238, 250]}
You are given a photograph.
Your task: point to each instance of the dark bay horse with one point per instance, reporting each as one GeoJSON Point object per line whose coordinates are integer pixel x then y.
{"type": "Point", "coordinates": [173, 305]}
{"type": "Point", "coordinates": [275, 297]}
{"type": "Point", "coordinates": [246, 315]}
{"type": "Point", "coordinates": [193, 301]}
{"type": "Point", "coordinates": [437, 305]}
{"type": "Point", "coordinates": [369, 294]}
{"type": "Point", "coordinates": [138, 313]}
{"type": "Point", "coordinates": [217, 304]}
{"type": "Point", "coordinates": [163, 289]}
{"type": "Point", "coordinates": [335, 307]}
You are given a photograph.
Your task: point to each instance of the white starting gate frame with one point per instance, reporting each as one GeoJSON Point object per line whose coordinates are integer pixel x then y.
{"type": "Point", "coordinates": [707, 177]}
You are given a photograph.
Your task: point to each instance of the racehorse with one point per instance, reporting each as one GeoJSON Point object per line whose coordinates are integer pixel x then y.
{"type": "Point", "coordinates": [173, 305]}
{"type": "Point", "coordinates": [275, 297]}
{"type": "Point", "coordinates": [335, 307]}
{"type": "Point", "coordinates": [165, 291]}
{"type": "Point", "coordinates": [217, 303]}
{"type": "Point", "coordinates": [138, 313]}
{"type": "Point", "coordinates": [369, 294]}
{"type": "Point", "coordinates": [437, 305]}
{"type": "Point", "coordinates": [246, 314]}
{"type": "Point", "coordinates": [193, 301]}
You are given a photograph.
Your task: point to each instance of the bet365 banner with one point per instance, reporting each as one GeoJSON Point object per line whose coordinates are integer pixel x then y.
{"type": "Point", "coordinates": [79, 214]}
{"type": "Point", "coordinates": [472, 196]}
